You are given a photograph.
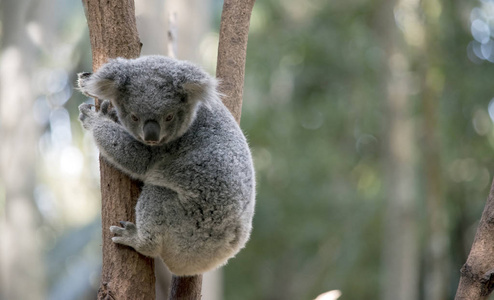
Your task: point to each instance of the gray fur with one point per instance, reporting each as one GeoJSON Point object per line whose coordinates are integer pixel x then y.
{"type": "Point", "coordinates": [196, 207]}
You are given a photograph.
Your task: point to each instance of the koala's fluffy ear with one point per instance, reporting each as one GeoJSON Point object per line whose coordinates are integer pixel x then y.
{"type": "Point", "coordinates": [93, 86]}
{"type": "Point", "coordinates": [199, 88]}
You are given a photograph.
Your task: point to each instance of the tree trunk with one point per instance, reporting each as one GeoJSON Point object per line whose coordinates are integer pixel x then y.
{"type": "Point", "coordinates": [126, 274]}
{"type": "Point", "coordinates": [436, 272]}
{"type": "Point", "coordinates": [232, 50]}
{"type": "Point", "coordinates": [400, 251]}
{"type": "Point", "coordinates": [477, 275]}
{"type": "Point", "coordinates": [436, 259]}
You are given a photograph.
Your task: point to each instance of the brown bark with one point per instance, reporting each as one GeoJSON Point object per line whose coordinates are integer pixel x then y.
{"type": "Point", "coordinates": [126, 274]}
{"type": "Point", "coordinates": [112, 30]}
{"type": "Point", "coordinates": [232, 50]}
{"type": "Point", "coordinates": [186, 288]}
{"type": "Point", "coordinates": [477, 275]}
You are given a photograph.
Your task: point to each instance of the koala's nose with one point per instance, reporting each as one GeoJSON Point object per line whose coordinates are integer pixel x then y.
{"type": "Point", "coordinates": [151, 131]}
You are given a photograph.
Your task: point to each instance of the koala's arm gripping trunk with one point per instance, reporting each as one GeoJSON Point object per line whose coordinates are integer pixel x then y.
{"type": "Point", "coordinates": [125, 274]}
{"type": "Point", "coordinates": [121, 149]}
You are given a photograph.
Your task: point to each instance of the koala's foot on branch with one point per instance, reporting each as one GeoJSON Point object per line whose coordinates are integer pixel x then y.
{"type": "Point", "coordinates": [126, 235]}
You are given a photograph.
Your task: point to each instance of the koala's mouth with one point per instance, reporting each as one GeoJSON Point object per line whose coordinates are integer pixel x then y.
{"type": "Point", "coordinates": [162, 141]}
{"type": "Point", "coordinates": [153, 143]}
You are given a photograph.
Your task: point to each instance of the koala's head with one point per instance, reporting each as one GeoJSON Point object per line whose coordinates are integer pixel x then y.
{"type": "Point", "coordinates": [156, 97]}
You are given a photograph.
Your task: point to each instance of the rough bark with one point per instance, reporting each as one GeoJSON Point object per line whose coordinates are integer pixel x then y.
{"type": "Point", "coordinates": [232, 50]}
{"type": "Point", "coordinates": [477, 275]}
{"type": "Point", "coordinates": [112, 30]}
{"type": "Point", "coordinates": [186, 288]}
{"type": "Point", "coordinates": [126, 274]}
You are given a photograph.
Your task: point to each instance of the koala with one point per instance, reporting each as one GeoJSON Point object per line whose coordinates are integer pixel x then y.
{"type": "Point", "coordinates": [163, 123]}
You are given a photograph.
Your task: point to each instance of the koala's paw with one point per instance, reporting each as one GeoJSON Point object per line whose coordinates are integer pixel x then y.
{"type": "Point", "coordinates": [126, 235]}
{"type": "Point", "coordinates": [108, 111]}
{"type": "Point", "coordinates": [87, 116]}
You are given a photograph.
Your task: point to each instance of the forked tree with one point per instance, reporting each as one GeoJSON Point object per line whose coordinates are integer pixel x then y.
{"type": "Point", "coordinates": [113, 33]}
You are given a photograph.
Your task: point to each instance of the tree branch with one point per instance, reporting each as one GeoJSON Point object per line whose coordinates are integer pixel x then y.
{"type": "Point", "coordinates": [232, 49]}
{"type": "Point", "coordinates": [125, 274]}
{"type": "Point", "coordinates": [477, 275]}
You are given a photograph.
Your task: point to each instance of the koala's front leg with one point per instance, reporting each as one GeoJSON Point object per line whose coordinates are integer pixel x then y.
{"type": "Point", "coordinates": [114, 142]}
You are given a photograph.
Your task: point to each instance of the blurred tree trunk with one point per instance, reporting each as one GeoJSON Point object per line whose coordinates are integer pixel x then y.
{"type": "Point", "coordinates": [126, 274]}
{"type": "Point", "coordinates": [151, 24]}
{"type": "Point", "coordinates": [400, 252]}
{"type": "Point", "coordinates": [20, 260]}
{"type": "Point", "coordinates": [193, 22]}
{"type": "Point", "coordinates": [436, 271]}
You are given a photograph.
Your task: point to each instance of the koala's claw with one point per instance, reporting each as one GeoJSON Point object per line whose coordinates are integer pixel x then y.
{"type": "Point", "coordinates": [105, 107]}
{"type": "Point", "coordinates": [85, 108]}
{"type": "Point", "coordinates": [86, 114]}
{"type": "Point", "coordinates": [125, 235]}
{"type": "Point", "coordinates": [128, 225]}
{"type": "Point", "coordinates": [107, 110]}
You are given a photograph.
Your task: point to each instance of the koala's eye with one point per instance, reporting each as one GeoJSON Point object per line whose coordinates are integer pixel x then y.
{"type": "Point", "coordinates": [134, 118]}
{"type": "Point", "coordinates": [169, 118]}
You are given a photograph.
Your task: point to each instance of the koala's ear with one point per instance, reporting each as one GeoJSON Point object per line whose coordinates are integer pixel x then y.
{"type": "Point", "coordinates": [93, 86]}
{"type": "Point", "coordinates": [198, 88]}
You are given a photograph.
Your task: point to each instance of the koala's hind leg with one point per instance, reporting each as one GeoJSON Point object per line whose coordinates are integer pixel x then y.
{"type": "Point", "coordinates": [131, 236]}
{"type": "Point", "coordinates": [147, 235]}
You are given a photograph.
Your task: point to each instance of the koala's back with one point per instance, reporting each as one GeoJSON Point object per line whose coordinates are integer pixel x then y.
{"type": "Point", "coordinates": [213, 160]}
{"type": "Point", "coordinates": [212, 156]}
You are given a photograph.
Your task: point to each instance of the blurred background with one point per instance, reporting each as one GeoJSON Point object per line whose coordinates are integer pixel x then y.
{"type": "Point", "coordinates": [370, 121]}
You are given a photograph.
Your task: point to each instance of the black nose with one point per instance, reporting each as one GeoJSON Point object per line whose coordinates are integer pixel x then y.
{"type": "Point", "coordinates": [151, 131]}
